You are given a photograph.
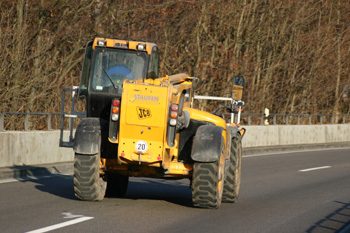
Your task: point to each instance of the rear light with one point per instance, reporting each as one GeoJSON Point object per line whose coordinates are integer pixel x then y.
{"type": "Point", "coordinates": [116, 103]}
{"type": "Point", "coordinates": [171, 131]}
{"type": "Point", "coordinates": [173, 115]}
{"type": "Point", "coordinates": [115, 110]}
{"type": "Point", "coordinates": [115, 117]}
{"type": "Point", "coordinates": [172, 122]}
{"type": "Point", "coordinates": [174, 107]}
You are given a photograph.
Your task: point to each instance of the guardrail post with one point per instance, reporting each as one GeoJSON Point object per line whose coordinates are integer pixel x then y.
{"type": "Point", "coordinates": [26, 116]}
{"type": "Point", "coordinates": [49, 121]}
{"type": "Point", "coordinates": [274, 119]}
{"type": "Point", "coordinates": [298, 119]}
{"type": "Point", "coordinates": [2, 116]}
{"type": "Point", "coordinates": [262, 119]}
{"type": "Point", "coordinates": [321, 118]}
{"type": "Point", "coordinates": [287, 119]}
{"type": "Point", "coordinates": [310, 116]}
{"type": "Point", "coordinates": [249, 119]}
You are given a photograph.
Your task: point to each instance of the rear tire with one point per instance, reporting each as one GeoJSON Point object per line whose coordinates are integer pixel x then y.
{"type": "Point", "coordinates": [233, 179]}
{"type": "Point", "coordinates": [88, 183]}
{"type": "Point", "coordinates": [208, 181]}
{"type": "Point", "coordinates": [117, 185]}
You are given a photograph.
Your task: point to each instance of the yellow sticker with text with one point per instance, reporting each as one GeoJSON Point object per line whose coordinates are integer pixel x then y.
{"type": "Point", "coordinates": [143, 113]}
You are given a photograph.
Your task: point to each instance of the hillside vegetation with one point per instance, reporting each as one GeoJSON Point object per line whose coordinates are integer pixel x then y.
{"type": "Point", "coordinates": [295, 55]}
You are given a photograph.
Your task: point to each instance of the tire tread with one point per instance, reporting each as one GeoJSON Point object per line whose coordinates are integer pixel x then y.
{"type": "Point", "coordinates": [88, 185]}
{"type": "Point", "coordinates": [231, 189]}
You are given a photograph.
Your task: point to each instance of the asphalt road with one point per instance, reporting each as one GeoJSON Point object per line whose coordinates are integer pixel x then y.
{"type": "Point", "coordinates": [290, 192]}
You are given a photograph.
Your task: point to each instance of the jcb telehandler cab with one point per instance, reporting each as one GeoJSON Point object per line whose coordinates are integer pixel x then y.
{"type": "Point", "coordinates": [139, 124]}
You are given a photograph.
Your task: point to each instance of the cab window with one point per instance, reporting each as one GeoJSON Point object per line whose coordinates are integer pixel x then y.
{"type": "Point", "coordinates": [112, 66]}
{"type": "Point", "coordinates": [153, 67]}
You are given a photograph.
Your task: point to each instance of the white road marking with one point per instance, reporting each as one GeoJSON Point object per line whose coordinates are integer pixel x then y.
{"type": "Point", "coordinates": [70, 215]}
{"type": "Point", "coordinates": [60, 225]}
{"type": "Point", "coordinates": [292, 151]}
{"type": "Point", "coordinates": [314, 168]}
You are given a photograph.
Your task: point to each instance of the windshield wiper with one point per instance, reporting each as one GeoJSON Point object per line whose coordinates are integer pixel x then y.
{"type": "Point", "coordinates": [109, 77]}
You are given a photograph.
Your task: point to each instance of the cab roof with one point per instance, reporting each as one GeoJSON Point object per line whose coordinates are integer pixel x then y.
{"type": "Point", "coordinates": [124, 44]}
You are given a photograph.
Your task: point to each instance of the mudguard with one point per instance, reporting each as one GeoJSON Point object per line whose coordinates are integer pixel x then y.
{"type": "Point", "coordinates": [206, 143]}
{"type": "Point", "coordinates": [87, 138]}
{"type": "Point", "coordinates": [234, 130]}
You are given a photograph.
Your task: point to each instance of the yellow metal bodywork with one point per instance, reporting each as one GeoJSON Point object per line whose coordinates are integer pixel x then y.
{"type": "Point", "coordinates": [204, 116]}
{"type": "Point", "coordinates": [132, 45]}
{"type": "Point", "coordinates": [144, 117]}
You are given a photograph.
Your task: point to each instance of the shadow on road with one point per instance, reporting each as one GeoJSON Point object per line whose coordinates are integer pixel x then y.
{"type": "Point", "coordinates": [173, 191]}
{"type": "Point", "coordinates": [59, 185]}
{"type": "Point", "coordinates": [334, 222]}
{"type": "Point", "coordinates": [49, 180]}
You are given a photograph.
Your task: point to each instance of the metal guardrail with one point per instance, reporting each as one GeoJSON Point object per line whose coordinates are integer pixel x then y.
{"type": "Point", "coordinates": [247, 118]}
{"type": "Point", "coordinates": [272, 118]}
{"type": "Point", "coordinates": [26, 118]}
{"type": "Point", "coordinates": [72, 115]}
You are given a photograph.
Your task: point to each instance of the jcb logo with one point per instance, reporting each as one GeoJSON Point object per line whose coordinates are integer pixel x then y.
{"type": "Point", "coordinates": [143, 113]}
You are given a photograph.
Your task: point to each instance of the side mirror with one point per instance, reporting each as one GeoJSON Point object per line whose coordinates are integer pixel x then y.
{"type": "Point", "coordinates": [238, 87]}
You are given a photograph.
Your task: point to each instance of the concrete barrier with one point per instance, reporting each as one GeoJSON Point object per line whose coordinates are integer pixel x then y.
{"type": "Point", "coordinates": [286, 135]}
{"type": "Point", "coordinates": [18, 148]}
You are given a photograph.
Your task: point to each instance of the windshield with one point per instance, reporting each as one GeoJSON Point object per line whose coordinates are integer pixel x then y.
{"type": "Point", "coordinates": [112, 66]}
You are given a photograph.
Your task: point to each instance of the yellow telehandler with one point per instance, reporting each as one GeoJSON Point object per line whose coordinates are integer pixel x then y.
{"type": "Point", "coordinates": [138, 124]}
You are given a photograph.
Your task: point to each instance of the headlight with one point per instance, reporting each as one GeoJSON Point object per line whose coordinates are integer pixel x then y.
{"type": "Point", "coordinates": [101, 43]}
{"type": "Point", "coordinates": [141, 47]}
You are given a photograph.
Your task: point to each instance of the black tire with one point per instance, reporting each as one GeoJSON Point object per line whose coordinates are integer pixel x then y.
{"type": "Point", "coordinates": [208, 182]}
{"type": "Point", "coordinates": [117, 185]}
{"type": "Point", "coordinates": [233, 179]}
{"type": "Point", "coordinates": [88, 183]}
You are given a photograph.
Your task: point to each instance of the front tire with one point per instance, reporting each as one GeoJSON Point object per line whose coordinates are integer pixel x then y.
{"type": "Point", "coordinates": [233, 179]}
{"type": "Point", "coordinates": [88, 183]}
{"type": "Point", "coordinates": [208, 181]}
